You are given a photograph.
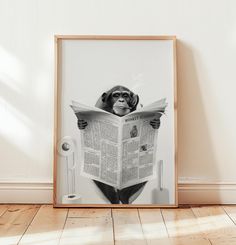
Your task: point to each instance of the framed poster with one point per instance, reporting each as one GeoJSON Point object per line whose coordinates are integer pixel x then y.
{"type": "Point", "coordinates": [115, 121]}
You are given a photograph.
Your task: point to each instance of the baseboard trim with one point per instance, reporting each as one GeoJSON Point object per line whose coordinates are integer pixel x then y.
{"type": "Point", "coordinates": [189, 192]}
{"type": "Point", "coordinates": [195, 192]}
{"type": "Point", "coordinates": [26, 192]}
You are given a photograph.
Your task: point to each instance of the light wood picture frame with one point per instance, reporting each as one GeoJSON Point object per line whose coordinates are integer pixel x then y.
{"type": "Point", "coordinates": [87, 68]}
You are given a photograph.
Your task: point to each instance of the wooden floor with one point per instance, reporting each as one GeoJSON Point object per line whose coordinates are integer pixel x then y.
{"type": "Point", "coordinates": [43, 225]}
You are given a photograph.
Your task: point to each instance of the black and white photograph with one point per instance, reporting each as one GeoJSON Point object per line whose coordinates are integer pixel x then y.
{"type": "Point", "coordinates": [115, 121]}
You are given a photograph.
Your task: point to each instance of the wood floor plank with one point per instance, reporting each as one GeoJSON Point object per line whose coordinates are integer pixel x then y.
{"type": "Point", "coordinates": [182, 241]}
{"type": "Point", "coordinates": [155, 231]}
{"type": "Point", "coordinates": [89, 212]}
{"type": "Point", "coordinates": [231, 212]}
{"type": "Point", "coordinates": [214, 222]}
{"type": "Point", "coordinates": [84, 231]}
{"type": "Point", "coordinates": [181, 222]}
{"type": "Point", "coordinates": [127, 227]}
{"type": "Point", "coordinates": [15, 221]}
{"type": "Point", "coordinates": [46, 227]}
{"type": "Point", "coordinates": [153, 225]}
{"type": "Point", "coordinates": [223, 241]}
{"type": "Point", "coordinates": [3, 209]}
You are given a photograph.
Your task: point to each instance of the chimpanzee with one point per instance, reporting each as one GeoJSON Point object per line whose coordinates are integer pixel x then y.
{"type": "Point", "coordinates": [120, 101]}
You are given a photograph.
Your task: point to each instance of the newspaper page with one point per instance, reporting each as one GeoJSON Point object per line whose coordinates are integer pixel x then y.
{"type": "Point", "coordinates": [139, 145]}
{"type": "Point", "coordinates": [100, 144]}
{"type": "Point", "coordinates": [119, 151]}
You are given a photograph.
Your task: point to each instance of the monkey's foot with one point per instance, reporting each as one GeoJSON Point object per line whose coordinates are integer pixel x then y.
{"type": "Point", "coordinates": [129, 194]}
{"type": "Point", "coordinates": [109, 192]}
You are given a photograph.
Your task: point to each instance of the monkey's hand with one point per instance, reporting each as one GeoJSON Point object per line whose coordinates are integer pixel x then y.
{"type": "Point", "coordinates": [82, 124]}
{"type": "Point", "coordinates": [155, 123]}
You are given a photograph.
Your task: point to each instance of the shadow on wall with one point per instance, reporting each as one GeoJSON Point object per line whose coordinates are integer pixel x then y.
{"type": "Point", "coordinates": [196, 155]}
{"type": "Point", "coordinates": [25, 138]}
{"type": "Point", "coordinates": [15, 133]}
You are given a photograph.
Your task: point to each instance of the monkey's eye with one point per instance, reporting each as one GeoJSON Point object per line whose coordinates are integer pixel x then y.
{"type": "Point", "coordinates": [116, 95]}
{"type": "Point", "coordinates": [125, 95]}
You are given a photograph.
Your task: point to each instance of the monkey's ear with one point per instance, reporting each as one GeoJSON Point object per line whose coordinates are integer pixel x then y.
{"type": "Point", "coordinates": [104, 97]}
{"type": "Point", "coordinates": [135, 100]}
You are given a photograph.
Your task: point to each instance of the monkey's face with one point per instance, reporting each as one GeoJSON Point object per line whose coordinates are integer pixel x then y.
{"type": "Point", "coordinates": [121, 101]}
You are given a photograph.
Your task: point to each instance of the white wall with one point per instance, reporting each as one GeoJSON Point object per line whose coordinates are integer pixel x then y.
{"type": "Point", "coordinates": [206, 30]}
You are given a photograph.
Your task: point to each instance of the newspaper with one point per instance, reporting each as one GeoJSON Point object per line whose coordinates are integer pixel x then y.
{"type": "Point", "coordinates": [119, 151]}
